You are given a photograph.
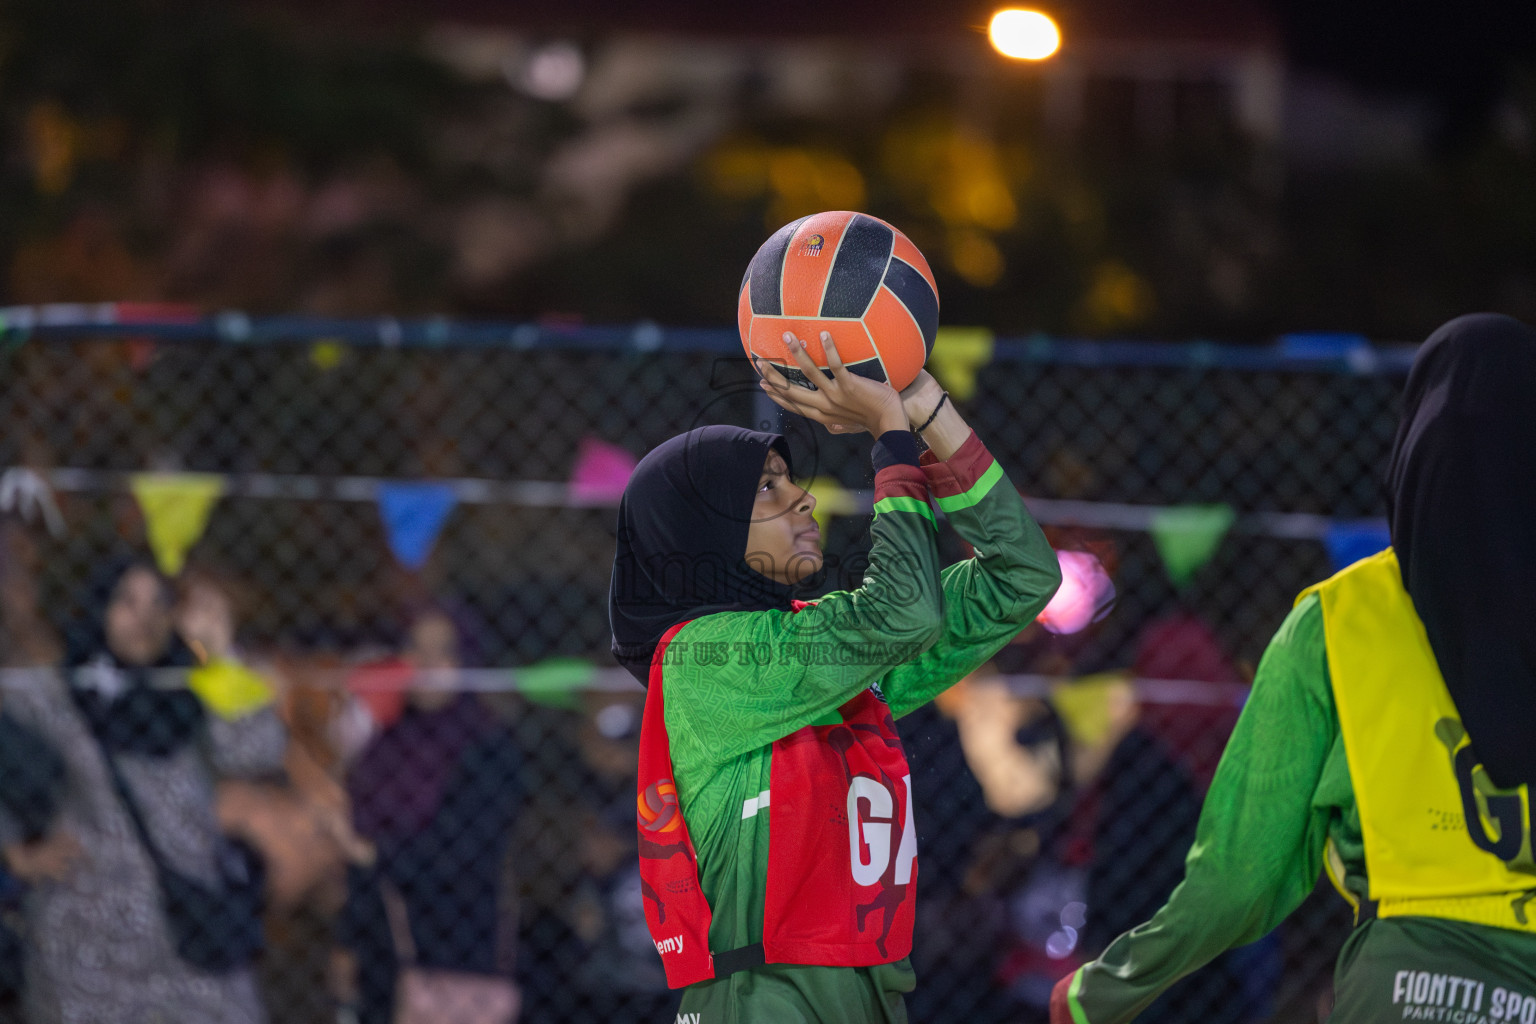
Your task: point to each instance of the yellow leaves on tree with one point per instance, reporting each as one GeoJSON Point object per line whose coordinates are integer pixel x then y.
{"type": "Point", "coordinates": [799, 180]}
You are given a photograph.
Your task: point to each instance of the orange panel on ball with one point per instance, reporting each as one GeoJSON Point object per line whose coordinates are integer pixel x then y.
{"type": "Point", "coordinates": [767, 338]}
{"type": "Point", "coordinates": [808, 262]}
{"type": "Point", "coordinates": [744, 311]}
{"type": "Point", "coordinates": [897, 338]}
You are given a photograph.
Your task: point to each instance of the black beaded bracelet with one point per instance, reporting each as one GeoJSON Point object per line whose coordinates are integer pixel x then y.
{"type": "Point", "coordinates": [929, 421]}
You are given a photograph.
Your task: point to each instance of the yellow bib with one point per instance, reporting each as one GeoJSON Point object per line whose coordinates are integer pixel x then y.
{"type": "Point", "coordinates": [1440, 839]}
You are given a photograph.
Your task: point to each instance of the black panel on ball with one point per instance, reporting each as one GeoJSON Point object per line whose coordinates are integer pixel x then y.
{"type": "Point", "coordinates": [917, 295]}
{"type": "Point", "coordinates": [860, 263]}
{"type": "Point", "coordinates": [869, 368]}
{"type": "Point", "coordinates": [767, 271]}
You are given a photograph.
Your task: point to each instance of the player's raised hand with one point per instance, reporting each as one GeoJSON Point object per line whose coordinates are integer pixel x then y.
{"type": "Point", "coordinates": [846, 402]}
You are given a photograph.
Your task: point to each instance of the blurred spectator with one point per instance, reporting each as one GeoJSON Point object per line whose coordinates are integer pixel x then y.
{"type": "Point", "coordinates": [1191, 719]}
{"type": "Point", "coordinates": [1015, 764]}
{"type": "Point", "coordinates": [33, 774]}
{"type": "Point", "coordinates": [436, 792]}
{"type": "Point", "coordinates": [1131, 827]}
{"type": "Point", "coordinates": [298, 822]}
{"type": "Point", "coordinates": [1137, 809]}
{"type": "Point", "coordinates": [31, 769]}
{"type": "Point", "coordinates": [595, 918]}
{"type": "Point", "coordinates": [1096, 814]}
{"type": "Point", "coordinates": [100, 945]}
{"type": "Point", "coordinates": [25, 638]}
{"type": "Point", "coordinates": [987, 781]}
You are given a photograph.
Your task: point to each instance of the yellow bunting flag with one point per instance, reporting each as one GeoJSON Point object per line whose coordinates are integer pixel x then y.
{"type": "Point", "coordinates": [832, 499]}
{"type": "Point", "coordinates": [176, 507]}
{"type": "Point", "coordinates": [326, 354]}
{"type": "Point", "coordinates": [958, 352]}
{"type": "Point", "coordinates": [229, 689]}
{"type": "Point", "coordinates": [1091, 707]}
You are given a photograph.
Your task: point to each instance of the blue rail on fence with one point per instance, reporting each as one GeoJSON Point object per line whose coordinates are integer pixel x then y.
{"type": "Point", "coordinates": [1315, 352]}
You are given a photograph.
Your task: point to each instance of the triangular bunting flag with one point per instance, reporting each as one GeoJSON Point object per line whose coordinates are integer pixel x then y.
{"type": "Point", "coordinates": [1348, 542]}
{"type": "Point", "coordinates": [1089, 705]}
{"type": "Point", "coordinates": [414, 514]}
{"type": "Point", "coordinates": [229, 689]}
{"type": "Point", "coordinates": [832, 499]}
{"type": "Point", "coordinates": [600, 473]}
{"type": "Point", "coordinates": [958, 352]}
{"type": "Point", "coordinates": [326, 354]}
{"type": "Point", "coordinates": [556, 682]}
{"type": "Point", "coordinates": [176, 508]}
{"type": "Point", "coordinates": [1187, 537]}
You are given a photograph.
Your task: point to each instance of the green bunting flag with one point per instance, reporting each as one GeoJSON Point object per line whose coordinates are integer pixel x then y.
{"type": "Point", "coordinates": [556, 682]}
{"type": "Point", "coordinates": [176, 508]}
{"type": "Point", "coordinates": [1187, 537]}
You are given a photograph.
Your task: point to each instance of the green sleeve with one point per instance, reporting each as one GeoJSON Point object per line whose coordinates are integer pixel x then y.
{"type": "Point", "coordinates": [737, 681]}
{"type": "Point", "coordinates": [1259, 846]}
{"type": "Point", "coordinates": [988, 599]}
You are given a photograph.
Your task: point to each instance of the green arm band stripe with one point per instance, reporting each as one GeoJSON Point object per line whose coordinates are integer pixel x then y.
{"type": "Point", "coordinates": [901, 503]}
{"type": "Point", "coordinates": [1078, 1016]}
{"type": "Point", "coordinates": [980, 489]}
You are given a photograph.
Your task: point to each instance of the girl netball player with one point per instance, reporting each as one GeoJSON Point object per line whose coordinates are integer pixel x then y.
{"type": "Point", "coordinates": [777, 845]}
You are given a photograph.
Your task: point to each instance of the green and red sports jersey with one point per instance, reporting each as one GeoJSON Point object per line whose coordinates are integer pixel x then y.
{"type": "Point", "coordinates": [744, 688]}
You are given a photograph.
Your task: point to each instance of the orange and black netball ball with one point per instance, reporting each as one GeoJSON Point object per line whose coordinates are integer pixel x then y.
{"type": "Point", "coordinates": [849, 274]}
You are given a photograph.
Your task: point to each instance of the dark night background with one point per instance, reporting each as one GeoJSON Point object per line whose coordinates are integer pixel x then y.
{"type": "Point", "coordinates": [269, 156]}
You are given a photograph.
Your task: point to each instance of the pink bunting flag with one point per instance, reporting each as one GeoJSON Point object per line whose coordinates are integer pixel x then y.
{"type": "Point", "coordinates": [601, 471]}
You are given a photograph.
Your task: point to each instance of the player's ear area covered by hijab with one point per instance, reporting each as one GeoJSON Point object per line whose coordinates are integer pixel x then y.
{"type": "Point", "coordinates": [1461, 491]}
{"type": "Point", "coordinates": [682, 539]}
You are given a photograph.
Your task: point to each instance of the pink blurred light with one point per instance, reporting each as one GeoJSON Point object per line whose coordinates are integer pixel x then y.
{"type": "Point", "coordinates": [1085, 595]}
{"type": "Point", "coordinates": [601, 472]}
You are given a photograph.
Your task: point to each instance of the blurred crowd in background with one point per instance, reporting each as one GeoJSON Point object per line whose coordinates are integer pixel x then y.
{"type": "Point", "coordinates": [502, 822]}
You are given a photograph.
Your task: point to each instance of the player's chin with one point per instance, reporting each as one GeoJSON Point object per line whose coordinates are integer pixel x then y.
{"type": "Point", "coordinates": [805, 563]}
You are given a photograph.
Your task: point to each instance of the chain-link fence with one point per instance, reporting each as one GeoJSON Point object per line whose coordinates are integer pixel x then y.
{"type": "Point", "coordinates": [404, 534]}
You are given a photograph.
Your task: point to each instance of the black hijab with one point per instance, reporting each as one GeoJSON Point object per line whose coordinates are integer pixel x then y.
{"type": "Point", "coordinates": [1461, 491]}
{"type": "Point", "coordinates": [127, 708]}
{"type": "Point", "coordinates": [682, 539]}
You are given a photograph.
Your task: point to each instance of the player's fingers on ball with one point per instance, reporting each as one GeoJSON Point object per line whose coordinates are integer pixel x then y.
{"type": "Point", "coordinates": [798, 406]}
{"type": "Point", "coordinates": [778, 384]}
{"type": "Point", "coordinates": [803, 359]}
{"type": "Point", "coordinates": [835, 369]}
{"type": "Point", "coordinates": [773, 375]}
{"type": "Point", "coordinates": [780, 400]}
{"type": "Point", "coordinates": [805, 401]}
{"type": "Point", "coordinates": [834, 361]}
{"type": "Point", "coordinates": [792, 344]}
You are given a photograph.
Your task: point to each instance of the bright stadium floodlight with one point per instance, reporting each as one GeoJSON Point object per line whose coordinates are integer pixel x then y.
{"type": "Point", "coordinates": [1024, 35]}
